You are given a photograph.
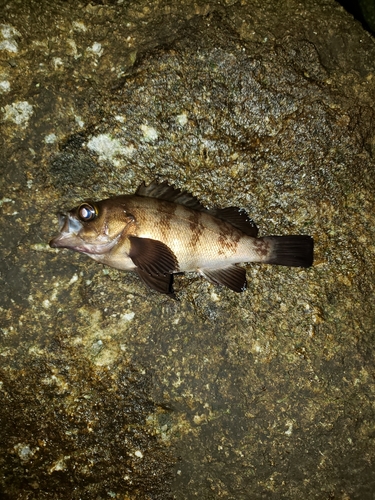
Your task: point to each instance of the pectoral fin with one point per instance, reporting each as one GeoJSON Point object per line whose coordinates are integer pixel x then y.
{"type": "Point", "coordinates": [152, 256]}
{"type": "Point", "coordinates": [162, 284]}
{"type": "Point", "coordinates": [232, 276]}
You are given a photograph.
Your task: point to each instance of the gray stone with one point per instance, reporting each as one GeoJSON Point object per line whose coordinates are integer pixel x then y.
{"type": "Point", "coordinates": [110, 390]}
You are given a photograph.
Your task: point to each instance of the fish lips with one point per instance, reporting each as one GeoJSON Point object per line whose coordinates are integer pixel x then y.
{"type": "Point", "coordinates": [68, 235]}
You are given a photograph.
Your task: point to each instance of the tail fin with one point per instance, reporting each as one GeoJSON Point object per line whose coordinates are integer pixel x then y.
{"type": "Point", "coordinates": [295, 251]}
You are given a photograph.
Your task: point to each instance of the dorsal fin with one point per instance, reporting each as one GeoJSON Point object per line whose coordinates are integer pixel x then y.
{"type": "Point", "coordinates": [238, 218]}
{"type": "Point", "coordinates": [235, 216]}
{"type": "Point", "coordinates": [166, 192]}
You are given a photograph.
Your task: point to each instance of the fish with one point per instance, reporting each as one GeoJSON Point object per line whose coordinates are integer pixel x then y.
{"type": "Point", "coordinates": [161, 231]}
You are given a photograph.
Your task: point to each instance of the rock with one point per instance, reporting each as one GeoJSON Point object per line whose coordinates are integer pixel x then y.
{"type": "Point", "coordinates": [111, 390]}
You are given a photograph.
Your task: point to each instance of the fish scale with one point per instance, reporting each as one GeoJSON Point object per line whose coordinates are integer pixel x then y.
{"type": "Point", "coordinates": [161, 230]}
{"type": "Point", "coordinates": [197, 239]}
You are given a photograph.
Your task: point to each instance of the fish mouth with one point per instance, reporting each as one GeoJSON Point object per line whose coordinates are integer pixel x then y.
{"type": "Point", "coordinates": [68, 237]}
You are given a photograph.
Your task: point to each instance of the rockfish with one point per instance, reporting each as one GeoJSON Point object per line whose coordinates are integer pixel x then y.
{"type": "Point", "coordinates": [161, 231]}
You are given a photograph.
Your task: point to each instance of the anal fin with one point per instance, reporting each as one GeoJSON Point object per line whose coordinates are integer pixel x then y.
{"type": "Point", "coordinates": [233, 277]}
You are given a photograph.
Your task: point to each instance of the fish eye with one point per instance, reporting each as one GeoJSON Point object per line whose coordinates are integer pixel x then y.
{"type": "Point", "coordinates": [86, 212]}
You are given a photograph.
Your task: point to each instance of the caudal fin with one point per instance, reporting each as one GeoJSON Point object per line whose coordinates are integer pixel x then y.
{"type": "Point", "coordinates": [295, 251]}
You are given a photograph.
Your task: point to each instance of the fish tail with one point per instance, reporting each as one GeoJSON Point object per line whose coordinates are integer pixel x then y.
{"type": "Point", "coordinates": [295, 250]}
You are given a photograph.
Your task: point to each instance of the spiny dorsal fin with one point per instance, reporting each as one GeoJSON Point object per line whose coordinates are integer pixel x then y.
{"type": "Point", "coordinates": [166, 192]}
{"type": "Point", "coordinates": [238, 218]}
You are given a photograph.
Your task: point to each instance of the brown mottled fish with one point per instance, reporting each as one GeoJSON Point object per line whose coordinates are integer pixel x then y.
{"type": "Point", "coordinates": [161, 231]}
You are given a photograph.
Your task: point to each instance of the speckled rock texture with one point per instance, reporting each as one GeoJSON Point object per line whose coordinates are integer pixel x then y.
{"type": "Point", "coordinates": [109, 390]}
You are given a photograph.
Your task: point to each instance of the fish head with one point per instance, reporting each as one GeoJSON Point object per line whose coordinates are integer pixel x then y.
{"type": "Point", "coordinates": [93, 228]}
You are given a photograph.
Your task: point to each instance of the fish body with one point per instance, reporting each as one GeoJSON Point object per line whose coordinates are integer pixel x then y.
{"type": "Point", "coordinates": [161, 231]}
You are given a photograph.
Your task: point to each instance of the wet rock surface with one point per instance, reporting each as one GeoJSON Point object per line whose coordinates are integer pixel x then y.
{"type": "Point", "coordinates": [109, 390]}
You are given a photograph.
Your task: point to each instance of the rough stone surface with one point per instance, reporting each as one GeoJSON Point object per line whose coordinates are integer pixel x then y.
{"type": "Point", "coordinates": [109, 390]}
